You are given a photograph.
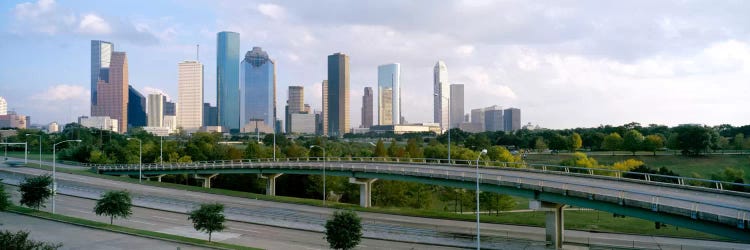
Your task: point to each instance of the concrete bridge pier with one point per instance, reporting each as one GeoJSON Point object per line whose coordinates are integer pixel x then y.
{"type": "Point", "coordinates": [365, 190]}
{"type": "Point", "coordinates": [205, 178]}
{"type": "Point", "coordinates": [554, 221]}
{"type": "Point", "coordinates": [270, 183]}
{"type": "Point", "coordinates": [158, 177]}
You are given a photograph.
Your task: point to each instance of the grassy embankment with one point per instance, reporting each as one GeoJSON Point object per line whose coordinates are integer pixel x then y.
{"type": "Point", "coordinates": [125, 230]}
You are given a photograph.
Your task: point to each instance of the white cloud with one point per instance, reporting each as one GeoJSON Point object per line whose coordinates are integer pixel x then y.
{"type": "Point", "coordinates": [63, 92]}
{"type": "Point", "coordinates": [44, 17]}
{"type": "Point", "coordinates": [465, 50]}
{"type": "Point", "coordinates": [272, 11]}
{"type": "Point", "coordinates": [94, 25]}
{"type": "Point", "coordinates": [152, 90]}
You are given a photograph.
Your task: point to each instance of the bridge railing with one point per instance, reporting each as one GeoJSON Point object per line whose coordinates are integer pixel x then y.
{"type": "Point", "coordinates": [599, 172]}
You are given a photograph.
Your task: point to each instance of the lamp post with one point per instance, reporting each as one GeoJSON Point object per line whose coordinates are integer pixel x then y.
{"type": "Point", "coordinates": [161, 150]}
{"type": "Point", "coordinates": [140, 158]}
{"type": "Point", "coordinates": [40, 148]}
{"type": "Point", "coordinates": [484, 151]}
{"type": "Point", "coordinates": [54, 163]}
{"type": "Point", "coordinates": [449, 123]}
{"type": "Point", "coordinates": [324, 172]}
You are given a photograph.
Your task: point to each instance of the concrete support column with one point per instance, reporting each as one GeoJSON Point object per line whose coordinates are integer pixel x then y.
{"type": "Point", "coordinates": [158, 177]}
{"type": "Point", "coordinates": [554, 222]}
{"type": "Point", "coordinates": [206, 179]}
{"type": "Point", "coordinates": [365, 190]}
{"type": "Point", "coordinates": [270, 183]}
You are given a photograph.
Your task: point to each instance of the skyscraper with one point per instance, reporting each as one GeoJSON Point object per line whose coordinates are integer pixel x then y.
{"type": "Point", "coordinates": [338, 94]}
{"type": "Point", "coordinates": [389, 94]}
{"type": "Point", "coordinates": [210, 115]}
{"type": "Point", "coordinates": [155, 110]}
{"type": "Point", "coordinates": [258, 88]}
{"type": "Point", "coordinates": [493, 118]}
{"type": "Point", "coordinates": [190, 95]}
{"type": "Point", "coordinates": [295, 104]}
{"type": "Point", "coordinates": [3, 106]}
{"type": "Point", "coordinates": [136, 108]}
{"type": "Point", "coordinates": [367, 108]}
{"type": "Point", "coordinates": [227, 79]}
{"type": "Point", "coordinates": [442, 95]}
{"type": "Point", "coordinates": [511, 119]}
{"type": "Point", "coordinates": [457, 104]}
{"type": "Point", "coordinates": [112, 95]}
{"type": "Point", "coordinates": [101, 55]}
{"type": "Point", "coordinates": [324, 115]}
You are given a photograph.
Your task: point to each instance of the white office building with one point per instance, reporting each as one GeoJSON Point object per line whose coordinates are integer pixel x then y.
{"type": "Point", "coordinates": [442, 95]}
{"type": "Point", "coordinates": [190, 96]}
{"type": "Point", "coordinates": [155, 110]}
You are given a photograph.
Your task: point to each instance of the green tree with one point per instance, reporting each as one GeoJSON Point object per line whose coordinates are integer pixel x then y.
{"type": "Point", "coordinates": [114, 204]}
{"type": "Point", "coordinates": [208, 218]}
{"type": "Point", "coordinates": [35, 191]}
{"type": "Point", "coordinates": [539, 144]}
{"type": "Point", "coordinates": [20, 240]}
{"type": "Point", "coordinates": [501, 154]}
{"type": "Point", "coordinates": [498, 202]}
{"type": "Point", "coordinates": [739, 141]}
{"type": "Point", "coordinates": [413, 148]}
{"type": "Point", "coordinates": [344, 230]}
{"type": "Point", "coordinates": [692, 139]}
{"type": "Point", "coordinates": [632, 141]}
{"type": "Point", "coordinates": [653, 143]}
{"type": "Point", "coordinates": [4, 198]}
{"type": "Point", "coordinates": [393, 148]}
{"type": "Point", "coordinates": [558, 142]}
{"type": "Point", "coordinates": [255, 151]}
{"type": "Point", "coordinates": [380, 149]}
{"type": "Point", "coordinates": [612, 142]}
{"type": "Point", "coordinates": [575, 142]}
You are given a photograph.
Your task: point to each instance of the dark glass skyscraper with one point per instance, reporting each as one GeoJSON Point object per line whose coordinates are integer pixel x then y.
{"type": "Point", "coordinates": [338, 94]}
{"type": "Point", "coordinates": [227, 79]}
{"type": "Point", "coordinates": [258, 88]}
{"type": "Point", "coordinates": [136, 108]}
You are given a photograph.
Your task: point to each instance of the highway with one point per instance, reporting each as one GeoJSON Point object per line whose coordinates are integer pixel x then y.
{"type": "Point", "coordinates": [392, 227]}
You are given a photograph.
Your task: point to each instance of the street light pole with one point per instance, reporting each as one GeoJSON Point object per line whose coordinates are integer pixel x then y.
{"type": "Point", "coordinates": [324, 172]}
{"type": "Point", "coordinates": [161, 150]}
{"type": "Point", "coordinates": [40, 148]}
{"type": "Point", "coordinates": [54, 165]}
{"type": "Point", "coordinates": [140, 158]}
{"type": "Point", "coordinates": [484, 151]}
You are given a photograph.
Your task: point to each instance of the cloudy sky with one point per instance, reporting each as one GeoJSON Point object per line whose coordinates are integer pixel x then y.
{"type": "Point", "coordinates": [563, 63]}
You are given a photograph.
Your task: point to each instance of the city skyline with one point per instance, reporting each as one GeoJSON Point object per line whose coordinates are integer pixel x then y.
{"type": "Point", "coordinates": [661, 69]}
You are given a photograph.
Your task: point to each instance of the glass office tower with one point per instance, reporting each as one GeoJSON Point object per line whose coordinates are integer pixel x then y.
{"type": "Point", "coordinates": [389, 94]}
{"type": "Point", "coordinates": [227, 79]}
{"type": "Point", "coordinates": [257, 88]}
{"type": "Point", "coordinates": [101, 57]}
{"type": "Point", "coordinates": [338, 95]}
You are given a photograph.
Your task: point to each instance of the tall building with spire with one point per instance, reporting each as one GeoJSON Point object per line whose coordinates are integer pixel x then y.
{"type": "Point", "coordinates": [442, 95]}
{"type": "Point", "coordinates": [367, 108]}
{"type": "Point", "coordinates": [112, 90]}
{"type": "Point", "coordinates": [338, 94]}
{"type": "Point", "coordinates": [190, 95]}
{"type": "Point", "coordinates": [389, 94]}
{"type": "Point", "coordinates": [228, 79]}
{"type": "Point", "coordinates": [258, 88]}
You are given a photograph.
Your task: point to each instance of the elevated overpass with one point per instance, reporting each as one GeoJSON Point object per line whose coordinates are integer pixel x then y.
{"type": "Point", "coordinates": [705, 205]}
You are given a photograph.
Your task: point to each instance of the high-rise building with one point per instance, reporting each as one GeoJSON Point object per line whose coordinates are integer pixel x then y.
{"type": "Point", "coordinates": [389, 94]}
{"type": "Point", "coordinates": [190, 96]}
{"type": "Point", "coordinates": [511, 119]}
{"type": "Point", "coordinates": [457, 104]}
{"type": "Point", "coordinates": [338, 95]}
{"type": "Point", "coordinates": [227, 79]}
{"type": "Point", "coordinates": [136, 108]}
{"type": "Point", "coordinates": [442, 95]}
{"type": "Point", "coordinates": [53, 127]}
{"type": "Point", "coordinates": [13, 120]}
{"type": "Point", "coordinates": [100, 122]}
{"type": "Point", "coordinates": [112, 95]}
{"type": "Point", "coordinates": [170, 108]}
{"type": "Point", "coordinates": [294, 105]}
{"type": "Point", "coordinates": [210, 115]}
{"type": "Point", "coordinates": [258, 88]}
{"type": "Point", "coordinates": [3, 106]}
{"type": "Point", "coordinates": [101, 57]}
{"type": "Point", "coordinates": [367, 108]}
{"type": "Point", "coordinates": [155, 110]}
{"type": "Point", "coordinates": [324, 114]}
{"type": "Point", "coordinates": [493, 118]}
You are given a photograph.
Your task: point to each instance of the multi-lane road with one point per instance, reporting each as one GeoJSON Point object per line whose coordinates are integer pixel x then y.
{"type": "Point", "coordinates": [281, 226]}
